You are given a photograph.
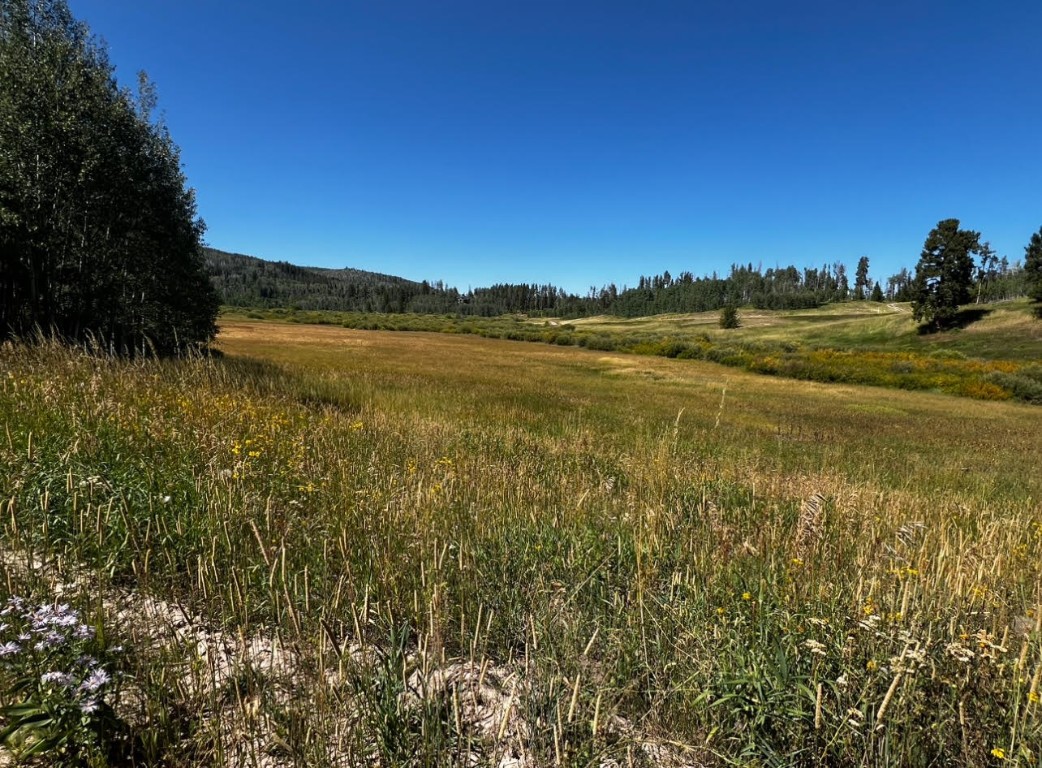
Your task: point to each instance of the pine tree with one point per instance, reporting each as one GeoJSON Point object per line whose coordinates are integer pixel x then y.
{"type": "Point", "coordinates": [1033, 267]}
{"type": "Point", "coordinates": [944, 274]}
{"type": "Point", "coordinates": [98, 233]}
{"type": "Point", "coordinates": [861, 279]}
{"type": "Point", "coordinates": [729, 317]}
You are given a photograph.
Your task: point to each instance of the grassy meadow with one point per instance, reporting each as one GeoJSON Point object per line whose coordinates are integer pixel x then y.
{"type": "Point", "coordinates": [469, 551]}
{"type": "Point", "coordinates": [992, 353]}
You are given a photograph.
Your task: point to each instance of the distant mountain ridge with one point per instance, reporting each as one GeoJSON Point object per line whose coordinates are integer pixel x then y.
{"type": "Point", "coordinates": [247, 281]}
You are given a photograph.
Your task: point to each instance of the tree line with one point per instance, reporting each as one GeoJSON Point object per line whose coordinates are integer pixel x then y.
{"type": "Point", "coordinates": [99, 236]}
{"type": "Point", "coordinates": [244, 281]}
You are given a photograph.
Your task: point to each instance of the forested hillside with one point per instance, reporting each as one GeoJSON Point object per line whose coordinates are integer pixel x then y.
{"type": "Point", "coordinates": [245, 281]}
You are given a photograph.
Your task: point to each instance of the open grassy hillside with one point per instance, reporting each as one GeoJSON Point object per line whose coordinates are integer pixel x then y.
{"type": "Point", "coordinates": [343, 547]}
{"type": "Point", "coordinates": [1006, 331]}
{"type": "Point", "coordinates": [995, 352]}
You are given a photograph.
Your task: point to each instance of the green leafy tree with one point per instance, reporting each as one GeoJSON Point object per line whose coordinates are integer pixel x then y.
{"type": "Point", "coordinates": [944, 274]}
{"type": "Point", "coordinates": [1033, 266]}
{"type": "Point", "coordinates": [99, 236]}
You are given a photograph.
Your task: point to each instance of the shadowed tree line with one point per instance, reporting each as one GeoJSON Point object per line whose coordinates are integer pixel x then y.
{"type": "Point", "coordinates": [99, 238]}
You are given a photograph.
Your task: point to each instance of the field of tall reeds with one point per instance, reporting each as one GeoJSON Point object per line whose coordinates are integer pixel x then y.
{"type": "Point", "coordinates": [359, 548]}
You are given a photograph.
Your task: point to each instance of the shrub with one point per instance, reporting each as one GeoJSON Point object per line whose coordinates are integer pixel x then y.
{"type": "Point", "coordinates": [729, 317]}
{"type": "Point", "coordinates": [1022, 387]}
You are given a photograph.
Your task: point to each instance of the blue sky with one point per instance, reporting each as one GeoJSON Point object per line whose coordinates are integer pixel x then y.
{"type": "Point", "coordinates": [582, 143]}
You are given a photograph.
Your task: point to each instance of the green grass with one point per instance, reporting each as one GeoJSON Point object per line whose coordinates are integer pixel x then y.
{"type": "Point", "coordinates": [631, 541]}
{"type": "Point", "coordinates": [994, 356]}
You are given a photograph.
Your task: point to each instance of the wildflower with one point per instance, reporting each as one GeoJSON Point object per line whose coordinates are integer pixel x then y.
{"type": "Point", "coordinates": [89, 706]}
{"type": "Point", "coordinates": [999, 752]}
{"type": "Point", "coordinates": [872, 665]}
{"type": "Point", "coordinates": [870, 621]}
{"type": "Point", "coordinates": [747, 596]}
{"type": "Point", "coordinates": [9, 648]}
{"type": "Point", "coordinates": [720, 611]}
{"type": "Point", "coordinates": [959, 652]}
{"type": "Point", "coordinates": [60, 679]}
{"type": "Point", "coordinates": [50, 640]}
{"type": "Point", "coordinates": [815, 647]}
{"type": "Point", "coordinates": [95, 681]}
{"type": "Point", "coordinates": [1034, 698]}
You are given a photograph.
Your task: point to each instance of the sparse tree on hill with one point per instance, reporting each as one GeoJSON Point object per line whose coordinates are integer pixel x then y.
{"type": "Point", "coordinates": [986, 268]}
{"type": "Point", "coordinates": [842, 286]}
{"type": "Point", "coordinates": [898, 286]}
{"type": "Point", "coordinates": [98, 232]}
{"type": "Point", "coordinates": [861, 279]}
{"type": "Point", "coordinates": [944, 273]}
{"type": "Point", "coordinates": [1033, 267]}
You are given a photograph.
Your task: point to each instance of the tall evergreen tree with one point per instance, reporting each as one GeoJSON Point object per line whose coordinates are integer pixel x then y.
{"type": "Point", "coordinates": [861, 279]}
{"type": "Point", "coordinates": [944, 274]}
{"type": "Point", "coordinates": [1033, 266]}
{"type": "Point", "coordinates": [98, 233]}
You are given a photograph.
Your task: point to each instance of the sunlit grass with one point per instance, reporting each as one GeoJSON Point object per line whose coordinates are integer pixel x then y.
{"type": "Point", "coordinates": [755, 569]}
{"type": "Point", "coordinates": [993, 355]}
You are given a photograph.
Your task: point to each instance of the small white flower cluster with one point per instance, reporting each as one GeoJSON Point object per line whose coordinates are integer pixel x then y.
{"type": "Point", "coordinates": [815, 647]}
{"type": "Point", "coordinates": [959, 652]}
{"type": "Point", "coordinates": [52, 636]}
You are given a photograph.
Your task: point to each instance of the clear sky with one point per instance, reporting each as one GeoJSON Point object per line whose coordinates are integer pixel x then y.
{"type": "Point", "coordinates": [588, 142]}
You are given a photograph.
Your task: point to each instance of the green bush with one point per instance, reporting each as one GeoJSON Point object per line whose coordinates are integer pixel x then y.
{"type": "Point", "coordinates": [1023, 387]}
{"type": "Point", "coordinates": [729, 317]}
